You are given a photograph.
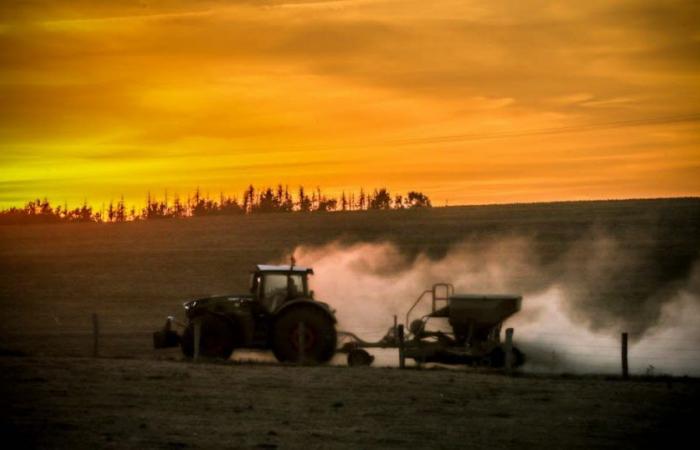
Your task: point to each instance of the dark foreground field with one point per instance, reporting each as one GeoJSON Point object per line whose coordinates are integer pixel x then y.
{"type": "Point", "coordinates": [116, 403]}
{"type": "Point", "coordinates": [621, 263]}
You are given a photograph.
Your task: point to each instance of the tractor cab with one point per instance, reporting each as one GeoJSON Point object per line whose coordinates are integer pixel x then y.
{"type": "Point", "coordinates": [273, 286]}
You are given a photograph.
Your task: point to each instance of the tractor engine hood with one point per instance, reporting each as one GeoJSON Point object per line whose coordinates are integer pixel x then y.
{"type": "Point", "coordinates": [209, 301]}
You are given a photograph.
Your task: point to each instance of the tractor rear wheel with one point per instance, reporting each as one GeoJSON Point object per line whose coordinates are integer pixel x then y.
{"type": "Point", "coordinates": [304, 334]}
{"type": "Point", "coordinates": [216, 341]}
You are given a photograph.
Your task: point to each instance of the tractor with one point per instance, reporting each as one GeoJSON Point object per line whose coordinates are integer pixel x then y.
{"type": "Point", "coordinates": [279, 314]}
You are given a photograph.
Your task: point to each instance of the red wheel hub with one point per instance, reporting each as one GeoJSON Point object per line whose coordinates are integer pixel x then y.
{"type": "Point", "coordinates": [309, 337]}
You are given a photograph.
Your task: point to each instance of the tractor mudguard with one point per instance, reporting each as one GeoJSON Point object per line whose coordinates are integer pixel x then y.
{"type": "Point", "coordinates": [307, 302]}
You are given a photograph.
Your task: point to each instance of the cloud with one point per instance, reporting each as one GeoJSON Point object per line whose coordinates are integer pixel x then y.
{"type": "Point", "coordinates": [267, 75]}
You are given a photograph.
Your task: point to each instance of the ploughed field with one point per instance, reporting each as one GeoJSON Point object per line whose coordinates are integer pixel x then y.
{"type": "Point", "coordinates": [53, 277]}
{"type": "Point", "coordinates": [121, 403]}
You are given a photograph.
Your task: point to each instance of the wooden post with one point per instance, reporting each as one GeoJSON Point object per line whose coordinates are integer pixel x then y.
{"type": "Point", "coordinates": [302, 341]}
{"type": "Point", "coordinates": [95, 336]}
{"type": "Point", "coordinates": [508, 348]}
{"type": "Point", "coordinates": [625, 368]}
{"type": "Point", "coordinates": [402, 358]}
{"type": "Point", "coordinates": [197, 337]}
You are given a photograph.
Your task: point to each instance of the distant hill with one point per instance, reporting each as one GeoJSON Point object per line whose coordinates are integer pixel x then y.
{"type": "Point", "coordinates": [139, 272]}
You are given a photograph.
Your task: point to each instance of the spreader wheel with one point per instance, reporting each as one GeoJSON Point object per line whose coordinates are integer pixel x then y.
{"type": "Point", "coordinates": [359, 357]}
{"type": "Point", "coordinates": [497, 357]}
{"type": "Point", "coordinates": [304, 334]}
{"type": "Point", "coordinates": [216, 341]}
{"type": "Point", "coordinates": [518, 357]}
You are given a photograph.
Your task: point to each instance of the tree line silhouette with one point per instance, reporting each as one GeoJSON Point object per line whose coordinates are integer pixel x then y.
{"type": "Point", "coordinates": [253, 201]}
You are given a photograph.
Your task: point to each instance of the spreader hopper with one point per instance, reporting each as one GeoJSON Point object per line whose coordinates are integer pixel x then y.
{"type": "Point", "coordinates": [482, 310]}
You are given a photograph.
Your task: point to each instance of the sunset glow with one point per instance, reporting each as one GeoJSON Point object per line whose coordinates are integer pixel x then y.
{"type": "Point", "coordinates": [467, 101]}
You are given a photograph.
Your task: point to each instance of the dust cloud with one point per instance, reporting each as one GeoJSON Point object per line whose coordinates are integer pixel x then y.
{"type": "Point", "coordinates": [575, 305]}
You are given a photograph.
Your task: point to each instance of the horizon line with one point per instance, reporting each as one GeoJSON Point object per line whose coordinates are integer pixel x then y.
{"type": "Point", "coordinates": [446, 205]}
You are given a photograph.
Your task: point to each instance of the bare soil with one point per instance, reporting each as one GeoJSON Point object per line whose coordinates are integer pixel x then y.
{"type": "Point", "coordinates": [53, 402]}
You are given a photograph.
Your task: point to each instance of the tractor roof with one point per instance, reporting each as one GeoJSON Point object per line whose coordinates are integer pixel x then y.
{"type": "Point", "coordinates": [283, 268]}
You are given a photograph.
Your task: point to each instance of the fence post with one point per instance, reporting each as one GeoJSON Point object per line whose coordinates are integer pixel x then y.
{"type": "Point", "coordinates": [402, 358]}
{"type": "Point", "coordinates": [95, 336]}
{"type": "Point", "coordinates": [302, 341]}
{"type": "Point", "coordinates": [509, 351]}
{"type": "Point", "coordinates": [625, 367]}
{"type": "Point", "coordinates": [197, 337]}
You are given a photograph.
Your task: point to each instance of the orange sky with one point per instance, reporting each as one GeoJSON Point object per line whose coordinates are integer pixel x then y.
{"type": "Point", "coordinates": [471, 102]}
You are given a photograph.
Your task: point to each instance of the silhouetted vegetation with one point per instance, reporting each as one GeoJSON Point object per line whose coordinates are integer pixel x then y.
{"type": "Point", "coordinates": [254, 201]}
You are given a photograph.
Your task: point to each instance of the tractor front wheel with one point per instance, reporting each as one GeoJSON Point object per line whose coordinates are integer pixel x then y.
{"type": "Point", "coordinates": [216, 340]}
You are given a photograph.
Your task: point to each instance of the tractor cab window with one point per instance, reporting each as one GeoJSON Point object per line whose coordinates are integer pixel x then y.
{"type": "Point", "coordinates": [279, 287]}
